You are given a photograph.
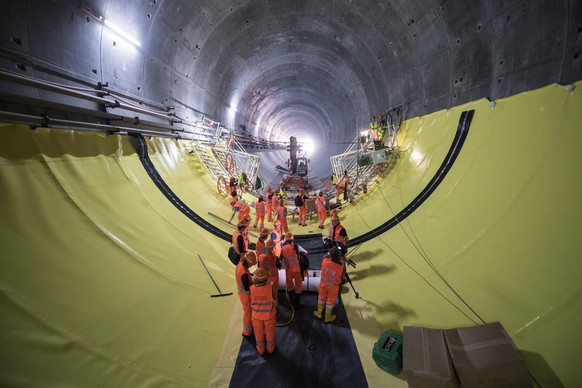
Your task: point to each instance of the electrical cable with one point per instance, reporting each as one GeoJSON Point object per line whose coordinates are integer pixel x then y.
{"type": "Point", "coordinates": [282, 324]}
{"type": "Point", "coordinates": [425, 257]}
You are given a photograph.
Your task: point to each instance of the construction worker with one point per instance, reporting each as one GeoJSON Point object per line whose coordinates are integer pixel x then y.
{"type": "Point", "coordinates": [321, 208]}
{"type": "Point", "coordinates": [291, 253]}
{"type": "Point", "coordinates": [232, 184]}
{"type": "Point", "coordinates": [337, 233]}
{"type": "Point", "coordinates": [247, 221]}
{"type": "Point", "coordinates": [260, 244]}
{"type": "Point", "coordinates": [269, 204]}
{"type": "Point", "coordinates": [373, 128]}
{"type": "Point", "coordinates": [270, 263]}
{"type": "Point", "coordinates": [281, 215]}
{"type": "Point", "coordinates": [332, 268]}
{"type": "Point", "coordinates": [243, 284]}
{"type": "Point", "coordinates": [301, 203]}
{"type": "Point", "coordinates": [332, 214]}
{"type": "Point", "coordinates": [263, 311]}
{"type": "Point", "coordinates": [238, 242]}
{"type": "Point", "coordinates": [277, 237]}
{"type": "Point", "coordinates": [260, 213]}
{"type": "Point", "coordinates": [274, 203]}
{"type": "Point", "coordinates": [381, 128]}
{"type": "Point", "coordinates": [342, 187]}
{"type": "Point", "coordinates": [243, 209]}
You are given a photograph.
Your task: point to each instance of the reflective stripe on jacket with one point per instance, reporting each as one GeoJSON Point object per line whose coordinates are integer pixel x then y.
{"type": "Point", "coordinates": [262, 302]}
{"type": "Point", "coordinates": [331, 272]}
{"type": "Point", "coordinates": [291, 258]}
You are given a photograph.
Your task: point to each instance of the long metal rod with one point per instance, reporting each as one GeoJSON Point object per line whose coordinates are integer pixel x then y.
{"type": "Point", "coordinates": [48, 122]}
{"type": "Point", "coordinates": [220, 293]}
{"type": "Point", "coordinates": [13, 77]}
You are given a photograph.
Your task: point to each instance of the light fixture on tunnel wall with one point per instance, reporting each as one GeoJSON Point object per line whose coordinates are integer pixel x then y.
{"type": "Point", "coordinates": [110, 25]}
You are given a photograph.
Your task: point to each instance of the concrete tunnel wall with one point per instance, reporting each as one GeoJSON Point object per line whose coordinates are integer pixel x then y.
{"type": "Point", "coordinates": [304, 68]}
{"type": "Point", "coordinates": [317, 68]}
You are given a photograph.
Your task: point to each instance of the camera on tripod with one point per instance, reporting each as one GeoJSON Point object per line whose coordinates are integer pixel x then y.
{"type": "Point", "coordinates": [328, 244]}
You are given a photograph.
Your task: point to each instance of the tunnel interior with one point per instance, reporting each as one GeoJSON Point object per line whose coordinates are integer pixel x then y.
{"type": "Point", "coordinates": [269, 70]}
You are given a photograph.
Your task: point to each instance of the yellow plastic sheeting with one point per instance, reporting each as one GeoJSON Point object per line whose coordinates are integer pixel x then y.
{"type": "Point", "coordinates": [97, 287]}
{"type": "Point", "coordinates": [503, 229]}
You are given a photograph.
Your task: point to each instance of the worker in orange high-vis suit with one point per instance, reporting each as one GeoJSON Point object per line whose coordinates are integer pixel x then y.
{"type": "Point", "coordinates": [238, 240]}
{"type": "Point", "coordinates": [263, 311]}
{"type": "Point", "coordinates": [337, 233]}
{"type": "Point", "coordinates": [269, 204]}
{"type": "Point", "coordinates": [293, 279]}
{"type": "Point", "coordinates": [281, 215]}
{"type": "Point", "coordinates": [242, 208]}
{"type": "Point", "coordinates": [274, 204]}
{"type": "Point", "coordinates": [302, 208]}
{"type": "Point", "coordinates": [260, 212]}
{"type": "Point", "coordinates": [270, 263]}
{"type": "Point", "coordinates": [243, 284]}
{"type": "Point", "coordinates": [277, 236]}
{"type": "Point", "coordinates": [260, 244]}
{"type": "Point", "coordinates": [332, 268]}
{"type": "Point", "coordinates": [321, 209]}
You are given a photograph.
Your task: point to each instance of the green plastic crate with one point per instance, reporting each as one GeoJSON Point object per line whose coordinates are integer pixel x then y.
{"type": "Point", "coordinates": [387, 352]}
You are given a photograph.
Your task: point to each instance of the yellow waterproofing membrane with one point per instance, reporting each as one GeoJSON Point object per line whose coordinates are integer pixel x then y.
{"type": "Point", "coordinates": [101, 284]}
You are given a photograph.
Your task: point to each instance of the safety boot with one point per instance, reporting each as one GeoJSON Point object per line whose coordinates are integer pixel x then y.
{"type": "Point", "coordinates": [319, 312]}
{"type": "Point", "coordinates": [291, 297]}
{"type": "Point", "coordinates": [328, 316]}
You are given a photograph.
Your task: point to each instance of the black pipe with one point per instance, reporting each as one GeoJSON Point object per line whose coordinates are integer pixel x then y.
{"type": "Point", "coordinates": [140, 146]}
{"type": "Point", "coordinates": [462, 130]}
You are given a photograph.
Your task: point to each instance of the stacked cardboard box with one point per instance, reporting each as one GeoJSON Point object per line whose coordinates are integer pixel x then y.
{"type": "Point", "coordinates": [481, 356]}
{"type": "Point", "coordinates": [426, 359]}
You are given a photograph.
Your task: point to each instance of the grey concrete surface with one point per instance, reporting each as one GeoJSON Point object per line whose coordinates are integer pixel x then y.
{"type": "Point", "coordinates": [313, 69]}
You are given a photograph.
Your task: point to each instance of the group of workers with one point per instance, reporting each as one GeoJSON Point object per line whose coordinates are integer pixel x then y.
{"type": "Point", "coordinates": [274, 250]}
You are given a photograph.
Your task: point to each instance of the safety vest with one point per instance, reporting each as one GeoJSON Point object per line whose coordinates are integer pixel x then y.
{"type": "Point", "coordinates": [242, 207]}
{"type": "Point", "coordinates": [259, 247]}
{"type": "Point", "coordinates": [374, 125]}
{"type": "Point", "coordinates": [268, 261]}
{"type": "Point", "coordinates": [280, 213]}
{"type": "Point", "coordinates": [274, 201]}
{"type": "Point", "coordinates": [262, 302]}
{"type": "Point", "coordinates": [320, 202]}
{"type": "Point", "coordinates": [239, 272]}
{"type": "Point", "coordinates": [277, 237]}
{"type": "Point", "coordinates": [291, 258]}
{"type": "Point", "coordinates": [334, 234]}
{"type": "Point", "coordinates": [260, 208]}
{"type": "Point", "coordinates": [235, 242]}
{"type": "Point", "coordinates": [331, 272]}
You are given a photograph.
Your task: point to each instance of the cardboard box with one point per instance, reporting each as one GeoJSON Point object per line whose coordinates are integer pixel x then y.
{"type": "Point", "coordinates": [426, 359]}
{"type": "Point", "coordinates": [485, 356]}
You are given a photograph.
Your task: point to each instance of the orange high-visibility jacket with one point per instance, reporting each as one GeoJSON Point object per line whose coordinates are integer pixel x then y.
{"type": "Point", "coordinates": [262, 302]}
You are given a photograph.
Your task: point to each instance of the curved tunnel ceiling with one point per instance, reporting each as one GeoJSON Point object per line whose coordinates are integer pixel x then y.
{"type": "Point", "coordinates": [312, 69]}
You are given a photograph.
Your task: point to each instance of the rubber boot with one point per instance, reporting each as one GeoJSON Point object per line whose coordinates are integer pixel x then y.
{"type": "Point", "coordinates": [319, 312]}
{"type": "Point", "coordinates": [291, 295]}
{"type": "Point", "coordinates": [298, 304]}
{"type": "Point", "coordinates": [328, 316]}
